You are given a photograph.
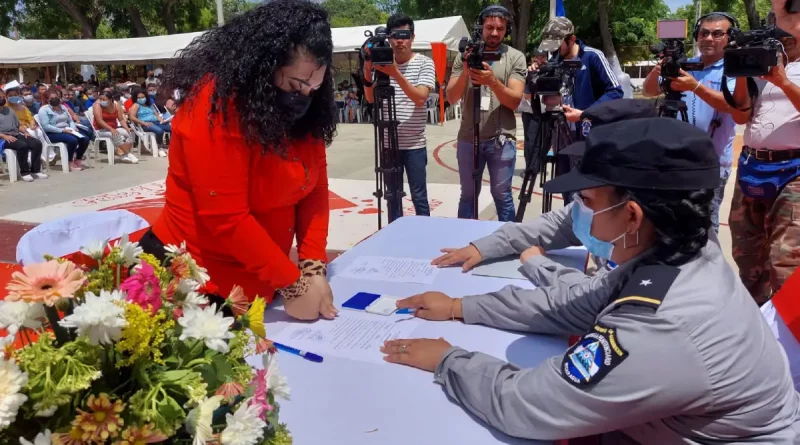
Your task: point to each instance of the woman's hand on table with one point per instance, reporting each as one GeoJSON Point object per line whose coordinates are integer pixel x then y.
{"type": "Point", "coordinates": [468, 257]}
{"type": "Point", "coordinates": [419, 353]}
{"type": "Point", "coordinates": [326, 307]}
{"type": "Point", "coordinates": [434, 306]}
{"type": "Point", "coordinates": [531, 252]}
{"type": "Point", "coordinates": [316, 301]}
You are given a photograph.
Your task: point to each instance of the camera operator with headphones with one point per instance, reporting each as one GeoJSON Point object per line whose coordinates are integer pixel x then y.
{"type": "Point", "coordinates": [765, 212]}
{"type": "Point", "coordinates": [706, 106]}
{"type": "Point", "coordinates": [502, 83]}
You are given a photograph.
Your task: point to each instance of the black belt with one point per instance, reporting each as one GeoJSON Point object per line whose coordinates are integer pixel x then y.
{"type": "Point", "coordinates": [762, 154]}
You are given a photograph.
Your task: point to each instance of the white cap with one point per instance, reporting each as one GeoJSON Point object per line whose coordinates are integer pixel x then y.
{"type": "Point", "coordinates": [11, 85]}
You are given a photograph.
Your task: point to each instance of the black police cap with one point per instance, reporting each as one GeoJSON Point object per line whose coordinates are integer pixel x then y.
{"type": "Point", "coordinates": [652, 153]}
{"type": "Point", "coordinates": [616, 110]}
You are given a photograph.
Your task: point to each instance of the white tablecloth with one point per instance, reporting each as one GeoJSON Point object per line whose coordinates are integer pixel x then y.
{"type": "Point", "coordinates": [348, 402]}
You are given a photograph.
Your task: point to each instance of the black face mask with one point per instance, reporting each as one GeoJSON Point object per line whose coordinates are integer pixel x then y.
{"type": "Point", "coordinates": [2, 101]}
{"type": "Point", "coordinates": [295, 104]}
{"type": "Point", "coordinates": [55, 102]}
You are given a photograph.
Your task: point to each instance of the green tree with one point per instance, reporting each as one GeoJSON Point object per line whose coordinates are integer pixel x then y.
{"type": "Point", "coordinates": [345, 13]}
{"type": "Point", "coordinates": [733, 7]}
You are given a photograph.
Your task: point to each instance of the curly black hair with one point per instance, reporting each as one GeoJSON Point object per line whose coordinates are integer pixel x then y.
{"type": "Point", "coordinates": [242, 57]}
{"type": "Point", "coordinates": [682, 220]}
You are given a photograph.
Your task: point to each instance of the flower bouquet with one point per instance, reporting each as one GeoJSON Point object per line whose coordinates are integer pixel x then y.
{"type": "Point", "coordinates": [112, 346]}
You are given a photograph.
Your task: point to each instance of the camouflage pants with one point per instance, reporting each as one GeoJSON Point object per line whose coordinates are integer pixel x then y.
{"type": "Point", "coordinates": [766, 239]}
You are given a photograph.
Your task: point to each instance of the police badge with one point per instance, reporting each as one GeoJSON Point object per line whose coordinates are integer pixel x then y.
{"type": "Point", "coordinates": [586, 127]}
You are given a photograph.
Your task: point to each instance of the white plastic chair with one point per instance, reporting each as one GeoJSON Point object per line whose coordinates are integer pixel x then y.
{"type": "Point", "coordinates": [66, 235]}
{"type": "Point", "coordinates": [109, 143]}
{"type": "Point", "coordinates": [11, 162]}
{"type": "Point", "coordinates": [48, 145]}
{"type": "Point", "coordinates": [456, 107]}
{"type": "Point", "coordinates": [433, 108]}
{"type": "Point", "coordinates": [146, 138]}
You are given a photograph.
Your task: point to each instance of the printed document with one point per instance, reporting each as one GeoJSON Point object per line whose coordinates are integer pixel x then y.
{"type": "Point", "coordinates": [395, 270]}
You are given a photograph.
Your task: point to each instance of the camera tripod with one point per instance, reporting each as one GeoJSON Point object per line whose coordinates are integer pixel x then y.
{"type": "Point", "coordinates": [477, 174]}
{"type": "Point", "coordinates": [673, 105]}
{"type": "Point", "coordinates": [388, 169]}
{"type": "Point", "coordinates": [554, 132]}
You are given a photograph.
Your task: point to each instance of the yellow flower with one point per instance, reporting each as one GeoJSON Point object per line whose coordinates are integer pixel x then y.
{"type": "Point", "coordinates": [143, 336]}
{"type": "Point", "coordinates": [103, 422]}
{"type": "Point", "coordinates": [146, 434]}
{"type": "Point", "coordinates": [255, 317]}
{"type": "Point", "coordinates": [73, 437]}
{"type": "Point", "coordinates": [158, 269]}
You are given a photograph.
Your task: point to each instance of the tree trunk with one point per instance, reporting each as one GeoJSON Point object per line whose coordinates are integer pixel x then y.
{"type": "Point", "coordinates": [139, 30]}
{"type": "Point", "coordinates": [605, 36]}
{"type": "Point", "coordinates": [168, 16]}
{"type": "Point", "coordinates": [521, 18]}
{"type": "Point", "coordinates": [752, 14]}
{"type": "Point", "coordinates": [88, 29]}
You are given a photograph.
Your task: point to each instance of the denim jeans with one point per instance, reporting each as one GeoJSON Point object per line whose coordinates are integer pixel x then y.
{"type": "Point", "coordinates": [88, 131]}
{"type": "Point", "coordinates": [719, 196]}
{"type": "Point", "coordinates": [76, 146]}
{"type": "Point", "coordinates": [501, 170]}
{"type": "Point", "coordinates": [414, 163]}
{"type": "Point", "coordinates": [159, 129]}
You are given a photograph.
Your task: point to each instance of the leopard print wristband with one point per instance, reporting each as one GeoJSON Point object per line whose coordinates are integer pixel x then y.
{"type": "Point", "coordinates": [310, 268]}
{"type": "Point", "coordinates": [296, 289]}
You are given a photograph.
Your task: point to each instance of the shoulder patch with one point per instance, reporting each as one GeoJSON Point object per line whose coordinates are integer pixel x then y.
{"type": "Point", "coordinates": [586, 127]}
{"type": "Point", "coordinates": [592, 357]}
{"type": "Point", "coordinates": [647, 286]}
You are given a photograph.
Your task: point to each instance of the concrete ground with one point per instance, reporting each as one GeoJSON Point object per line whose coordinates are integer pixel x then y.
{"type": "Point", "coordinates": [350, 159]}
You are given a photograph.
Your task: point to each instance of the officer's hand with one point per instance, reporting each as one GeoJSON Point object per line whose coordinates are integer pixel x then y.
{"type": "Point", "coordinates": [482, 77]}
{"type": "Point", "coordinates": [468, 257]}
{"type": "Point", "coordinates": [434, 306]}
{"type": "Point", "coordinates": [684, 82]}
{"type": "Point", "coordinates": [572, 114]}
{"type": "Point", "coordinates": [419, 353]}
{"type": "Point", "coordinates": [784, 20]}
{"type": "Point", "coordinates": [389, 70]}
{"type": "Point", "coordinates": [531, 252]}
{"type": "Point", "coordinates": [777, 76]}
{"type": "Point", "coordinates": [534, 66]}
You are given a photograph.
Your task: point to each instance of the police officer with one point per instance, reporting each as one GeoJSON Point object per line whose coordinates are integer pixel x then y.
{"type": "Point", "coordinates": [672, 347]}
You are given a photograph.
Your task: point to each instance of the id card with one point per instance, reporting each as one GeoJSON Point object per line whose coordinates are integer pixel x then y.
{"type": "Point", "coordinates": [485, 102]}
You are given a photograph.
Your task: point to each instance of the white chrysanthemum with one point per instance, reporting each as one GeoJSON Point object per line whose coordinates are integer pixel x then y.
{"type": "Point", "coordinates": [276, 382]}
{"type": "Point", "coordinates": [95, 249]}
{"type": "Point", "coordinates": [244, 427]}
{"type": "Point", "coordinates": [187, 285]}
{"type": "Point", "coordinates": [208, 325]}
{"type": "Point", "coordinates": [100, 318]}
{"type": "Point", "coordinates": [129, 252]}
{"type": "Point", "coordinates": [194, 300]}
{"type": "Point", "coordinates": [173, 250]}
{"type": "Point", "coordinates": [40, 439]}
{"type": "Point", "coordinates": [198, 421]}
{"type": "Point", "coordinates": [47, 412]}
{"type": "Point", "coordinates": [12, 379]}
{"type": "Point", "coordinates": [17, 314]}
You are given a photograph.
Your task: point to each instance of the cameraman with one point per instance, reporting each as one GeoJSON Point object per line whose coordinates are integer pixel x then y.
{"type": "Point", "coordinates": [532, 110]}
{"type": "Point", "coordinates": [785, 20]}
{"type": "Point", "coordinates": [706, 106]}
{"type": "Point", "coordinates": [413, 77]}
{"type": "Point", "coordinates": [765, 212]}
{"type": "Point", "coordinates": [502, 84]}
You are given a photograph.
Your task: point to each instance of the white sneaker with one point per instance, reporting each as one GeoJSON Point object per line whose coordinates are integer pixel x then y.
{"type": "Point", "coordinates": [133, 159]}
{"type": "Point", "coordinates": [40, 176]}
{"type": "Point", "coordinates": [27, 178]}
{"type": "Point", "coordinates": [162, 154]}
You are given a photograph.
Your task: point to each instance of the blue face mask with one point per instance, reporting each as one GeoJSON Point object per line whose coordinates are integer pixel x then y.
{"type": "Point", "coordinates": [582, 217]}
{"type": "Point", "coordinates": [16, 100]}
{"type": "Point", "coordinates": [141, 101]}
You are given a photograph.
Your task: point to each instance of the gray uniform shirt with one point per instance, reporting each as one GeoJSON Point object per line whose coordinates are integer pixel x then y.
{"type": "Point", "coordinates": [694, 364]}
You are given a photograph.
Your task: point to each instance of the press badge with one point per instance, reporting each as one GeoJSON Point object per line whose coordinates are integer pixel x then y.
{"type": "Point", "coordinates": [486, 100]}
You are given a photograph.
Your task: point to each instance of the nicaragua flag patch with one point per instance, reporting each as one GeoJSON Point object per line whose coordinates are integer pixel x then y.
{"type": "Point", "coordinates": [592, 357]}
{"type": "Point", "coordinates": [586, 127]}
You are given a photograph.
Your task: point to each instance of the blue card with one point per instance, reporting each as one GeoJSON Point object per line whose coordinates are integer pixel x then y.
{"type": "Point", "coordinates": [362, 300]}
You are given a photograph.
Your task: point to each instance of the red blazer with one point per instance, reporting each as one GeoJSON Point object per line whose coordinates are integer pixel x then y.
{"type": "Point", "coordinates": [239, 210]}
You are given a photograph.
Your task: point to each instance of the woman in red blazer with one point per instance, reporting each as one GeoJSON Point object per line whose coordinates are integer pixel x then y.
{"type": "Point", "coordinates": [247, 173]}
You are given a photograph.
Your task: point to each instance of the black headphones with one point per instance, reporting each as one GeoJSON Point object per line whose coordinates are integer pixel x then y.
{"type": "Point", "coordinates": [496, 10]}
{"type": "Point", "coordinates": [732, 19]}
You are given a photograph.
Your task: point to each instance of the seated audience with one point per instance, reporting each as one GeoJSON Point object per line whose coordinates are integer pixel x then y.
{"type": "Point", "coordinates": [60, 128]}
{"type": "Point", "coordinates": [143, 114]}
{"type": "Point", "coordinates": [91, 97]}
{"type": "Point", "coordinates": [110, 122]}
{"type": "Point", "coordinates": [28, 100]}
{"type": "Point", "coordinates": [81, 122]}
{"type": "Point", "coordinates": [27, 122]}
{"type": "Point", "coordinates": [21, 143]}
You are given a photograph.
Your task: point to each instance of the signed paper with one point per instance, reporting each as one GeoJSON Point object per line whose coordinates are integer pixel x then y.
{"type": "Point", "coordinates": [395, 270]}
{"type": "Point", "coordinates": [354, 336]}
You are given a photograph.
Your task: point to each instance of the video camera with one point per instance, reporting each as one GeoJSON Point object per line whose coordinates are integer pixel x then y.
{"type": "Point", "coordinates": [753, 53]}
{"type": "Point", "coordinates": [380, 51]}
{"type": "Point", "coordinates": [672, 49]}
{"type": "Point", "coordinates": [476, 48]}
{"type": "Point", "coordinates": [553, 77]}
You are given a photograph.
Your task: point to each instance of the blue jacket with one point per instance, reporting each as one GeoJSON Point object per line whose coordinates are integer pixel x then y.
{"type": "Point", "coordinates": [595, 81]}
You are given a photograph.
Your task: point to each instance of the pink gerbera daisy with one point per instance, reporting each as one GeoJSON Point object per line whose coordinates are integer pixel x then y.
{"type": "Point", "coordinates": [260, 399]}
{"type": "Point", "coordinates": [143, 288]}
{"type": "Point", "coordinates": [45, 282]}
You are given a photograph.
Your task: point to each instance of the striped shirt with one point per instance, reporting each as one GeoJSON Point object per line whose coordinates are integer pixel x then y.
{"type": "Point", "coordinates": [411, 119]}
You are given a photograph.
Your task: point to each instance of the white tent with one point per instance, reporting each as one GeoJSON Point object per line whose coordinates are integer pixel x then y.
{"type": "Point", "coordinates": [161, 48]}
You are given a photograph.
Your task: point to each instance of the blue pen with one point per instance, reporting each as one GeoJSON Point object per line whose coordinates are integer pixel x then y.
{"type": "Point", "coordinates": [306, 355]}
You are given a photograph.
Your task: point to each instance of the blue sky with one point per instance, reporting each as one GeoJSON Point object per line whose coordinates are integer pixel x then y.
{"type": "Point", "coordinates": [675, 4]}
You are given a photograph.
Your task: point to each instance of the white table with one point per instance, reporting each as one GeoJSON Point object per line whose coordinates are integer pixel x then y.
{"type": "Point", "coordinates": [349, 402]}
